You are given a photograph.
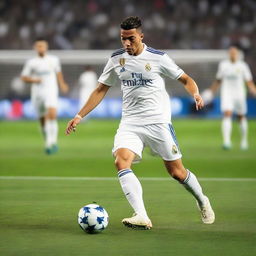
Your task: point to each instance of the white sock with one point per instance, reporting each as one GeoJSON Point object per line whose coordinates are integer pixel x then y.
{"type": "Point", "coordinates": [192, 185]}
{"type": "Point", "coordinates": [244, 132]}
{"type": "Point", "coordinates": [51, 132]}
{"type": "Point", "coordinates": [132, 190]}
{"type": "Point", "coordinates": [54, 128]}
{"type": "Point", "coordinates": [48, 137]}
{"type": "Point", "coordinates": [226, 130]}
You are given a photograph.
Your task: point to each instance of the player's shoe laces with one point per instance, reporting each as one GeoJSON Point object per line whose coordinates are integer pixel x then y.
{"type": "Point", "coordinates": [207, 213]}
{"type": "Point", "coordinates": [137, 222]}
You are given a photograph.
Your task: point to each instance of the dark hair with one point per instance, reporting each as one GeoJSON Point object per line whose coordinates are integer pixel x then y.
{"type": "Point", "coordinates": [40, 39]}
{"type": "Point", "coordinates": [131, 22]}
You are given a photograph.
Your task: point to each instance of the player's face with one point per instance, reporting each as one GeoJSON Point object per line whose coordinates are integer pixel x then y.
{"type": "Point", "coordinates": [233, 54]}
{"type": "Point", "coordinates": [132, 41]}
{"type": "Point", "coordinates": [41, 47]}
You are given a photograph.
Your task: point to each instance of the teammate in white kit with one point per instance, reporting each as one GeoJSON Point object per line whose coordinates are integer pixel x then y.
{"type": "Point", "coordinates": [232, 75]}
{"type": "Point", "coordinates": [88, 82]}
{"type": "Point", "coordinates": [145, 119]}
{"type": "Point", "coordinates": [44, 74]}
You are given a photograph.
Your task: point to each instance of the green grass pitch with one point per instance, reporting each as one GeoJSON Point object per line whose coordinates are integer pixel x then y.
{"type": "Point", "coordinates": [40, 198]}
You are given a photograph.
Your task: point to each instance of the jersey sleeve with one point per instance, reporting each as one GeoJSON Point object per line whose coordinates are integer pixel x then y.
{"type": "Point", "coordinates": [169, 68]}
{"type": "Point", "coordinates": [108, 76]}
{"type": "Point", "coordinates": [219, 74]}
{"type": "Point", "coordinates": [247, 73]}
{"type": "Point", "coordinates": [27, 69]}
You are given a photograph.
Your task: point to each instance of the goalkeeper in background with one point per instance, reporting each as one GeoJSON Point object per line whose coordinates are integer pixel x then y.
{"type": "Point", "coordinates": [233, 73]}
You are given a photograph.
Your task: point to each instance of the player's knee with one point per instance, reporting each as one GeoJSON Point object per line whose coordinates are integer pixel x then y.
{"type": "Point", "coordinates": [122, 162]}
{"type": "Point", "coordinates": [178, 173]}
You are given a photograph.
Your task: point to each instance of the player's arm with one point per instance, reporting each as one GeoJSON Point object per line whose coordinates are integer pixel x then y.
{"type": "Point", "coordinates": [30, 80]}
{"type": "Point", "coordinates": [96, 97]}
{"type": "Point", "coordinates": [252, 88]}
{"type": "Point", "coordinates": [192, 88]}
{"type": "Point", "coordinates": [62, 84]}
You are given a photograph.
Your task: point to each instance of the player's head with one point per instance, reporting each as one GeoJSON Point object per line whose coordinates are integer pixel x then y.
{"type": "Point", "coordinates": [233, 52]}
{"type": "Point", "coordinates": [131, 35]}
{"type": "Point", "coordinates": [41, 46]}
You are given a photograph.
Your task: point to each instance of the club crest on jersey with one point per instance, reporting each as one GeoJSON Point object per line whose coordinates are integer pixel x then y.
{"type": "Point", "coordinates": [174, 149]}
{"type": "Point", "coordinates": [147, 67]}
{"type": "Point", "coordinates": [122, 62]}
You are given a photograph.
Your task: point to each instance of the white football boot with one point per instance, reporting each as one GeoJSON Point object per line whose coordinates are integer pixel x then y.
{"type": "Point", "coordinates": [137, 222]}
{"type": "Point", "coordinates": [207, 213]}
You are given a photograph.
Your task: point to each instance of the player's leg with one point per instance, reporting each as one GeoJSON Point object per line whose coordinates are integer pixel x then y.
{"type": "Point", "coordinates": [162, 140]}
{"type": "Point", "coordinates": [51, 128]}
{"type": "Point", "coordinates": [189, 181]}
{"type": "Point", "coordinates": [132, 189]}
{"type": "Point", "coordinates": [226, 129]}
{"type": "Point", "coordinates": [42, 125]}
{"type": "Point", "coordinates": [241, 110]}
{"type": "Point", "coordinates": [244, 131]}
{"type": "Point", "coordinates": [127, 149]}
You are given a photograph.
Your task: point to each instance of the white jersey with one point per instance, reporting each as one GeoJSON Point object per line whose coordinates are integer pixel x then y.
{"type": "Point", "coordinates": [88, 83]}
{"type": "Point", "coordinates": [145, 100]}
{"type": "Point", "coordinates": [46, 69]}
{"type": "Point", "coordinates": [233, 76]}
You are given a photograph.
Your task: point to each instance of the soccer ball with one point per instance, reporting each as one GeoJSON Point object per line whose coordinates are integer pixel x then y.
{"type": "Point", "coordinates": [92, 218]}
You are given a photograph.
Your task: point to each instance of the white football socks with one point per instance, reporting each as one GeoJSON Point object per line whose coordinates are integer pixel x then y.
{"type": "Point", "coordinates": [244, 133]}
{"type": "Point", "coordinates": [133, 191]}
{"type": "Point", "coordinates": [226, 131]}
{"type": "Point", "coordinates": [192, 185]}
{"type": "Point", "coordinates": [51, 132]}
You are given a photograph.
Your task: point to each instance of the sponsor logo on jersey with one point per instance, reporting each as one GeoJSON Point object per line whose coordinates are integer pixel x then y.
{"type": "Point", "coordinates": [174, 149]}
{"type": "Point", "coordinates": [147, 67]}
{"type": "Point", "coordinates": [122, 62]}
{"type": "Point", "coordinates": [137, 80]}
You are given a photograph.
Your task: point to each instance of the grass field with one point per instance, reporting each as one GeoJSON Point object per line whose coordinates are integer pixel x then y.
{"type": "Point", "coordinates": [40, 195]}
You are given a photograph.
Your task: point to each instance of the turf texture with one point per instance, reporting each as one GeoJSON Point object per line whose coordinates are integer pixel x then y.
{"type": "Point", "coordinates": [39, 199]}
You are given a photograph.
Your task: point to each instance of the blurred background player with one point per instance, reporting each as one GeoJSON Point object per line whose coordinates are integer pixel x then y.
{"type": "Point", "coordinates": [44, 74]}
{"type": "Point", "coordinates": [231, 77]}
{"type": "Point", "coordinates": [88, 82]}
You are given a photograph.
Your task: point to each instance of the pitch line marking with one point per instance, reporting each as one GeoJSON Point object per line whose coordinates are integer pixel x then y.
{"type": "Point", "coordinates": [113, 178]}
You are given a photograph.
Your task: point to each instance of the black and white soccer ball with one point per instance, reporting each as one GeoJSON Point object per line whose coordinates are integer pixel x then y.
{"type": "Point", "coordinates": [93, 218]}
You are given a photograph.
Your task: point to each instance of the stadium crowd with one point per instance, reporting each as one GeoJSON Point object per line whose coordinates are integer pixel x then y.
{"type": "Point", "coordinates": [93, 24]}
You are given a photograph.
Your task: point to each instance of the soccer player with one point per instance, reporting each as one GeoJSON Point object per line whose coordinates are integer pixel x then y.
{"type": "Point", "coordinates": [43, 72]}
{"type": "Point", "coordinates": [145, 119]}
{"type": "Point", "coordinates": [88, 82]}
{"type": "Point", "coordinates": [232, 75]}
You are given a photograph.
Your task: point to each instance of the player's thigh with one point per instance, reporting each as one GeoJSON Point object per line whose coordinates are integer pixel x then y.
{"type": "Point", "coordinates": [161, 139]}
{"type": "Point", "coordinates": [240, 107]}
{"type": "Point", "coordinates": [226, 104]}
{"type": "Point", "coordinates": [127, 137]}
{"type": "Point", "coordinates": [38, 104]}
{"type": "Point", "coordinates": [51, 104]}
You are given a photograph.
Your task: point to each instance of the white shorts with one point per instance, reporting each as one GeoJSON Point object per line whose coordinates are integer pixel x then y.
{"type": "Point", "coordinates": [237, 105]}
{"type": "Point", "coordinates": [42, 102]}
{"type": "Point", "coordinates": [160, 138]}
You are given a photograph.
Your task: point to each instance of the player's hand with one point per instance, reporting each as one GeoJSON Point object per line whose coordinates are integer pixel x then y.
{"type": "Point", "coordinates": [199, 101]}
{"type": "Point", "coordinates": [71, 127]}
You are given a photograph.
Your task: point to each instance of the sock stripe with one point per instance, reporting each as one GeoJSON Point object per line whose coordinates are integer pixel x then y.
{"type": "Point", "coordinates": [123, 172]}
{"type": "Point", "coordinates": [187, 178]}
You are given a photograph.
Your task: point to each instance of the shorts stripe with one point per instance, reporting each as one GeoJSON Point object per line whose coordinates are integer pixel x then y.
{"type": "Point", "coordinates": [123, 172]}
{"type": "Point", "coordinates": [173, 135]}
